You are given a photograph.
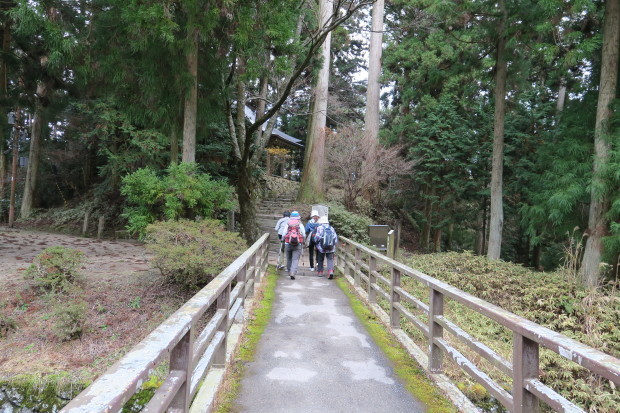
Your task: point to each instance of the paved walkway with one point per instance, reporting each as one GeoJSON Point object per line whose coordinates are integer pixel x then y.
{"type": "Point", "coordinates": [315, 356]}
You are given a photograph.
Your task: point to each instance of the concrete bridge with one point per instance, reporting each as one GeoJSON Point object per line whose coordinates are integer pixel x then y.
{"type": "Point", "coordinates": [316, 357]}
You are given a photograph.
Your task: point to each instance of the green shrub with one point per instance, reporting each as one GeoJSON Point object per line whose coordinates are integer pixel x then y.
{"type": "Point", "coordinates": [56, 268]}
{"type": "Point", "coordinates": [69, 320]}
{"type": "Point", "coordinates": [349, 224]}
{"type": "Point", "coordinates": [182, 192]}
{"type": "Point", "coordinates": [190, 253]}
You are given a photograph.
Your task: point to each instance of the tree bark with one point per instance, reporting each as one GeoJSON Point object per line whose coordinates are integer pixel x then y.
{"type": "Point", "coordinates": [34, 155]}
{"type": "Point", "coordinates": [174, 146]}
{"type": "Point", "coordinates": [15, 134]}
{"type": "Point", "coordinates": [371, 118]}
{"type": "Point", "coordinates": [559, 107]}
{"type": "Point", "coordinates": [437, 240]}
{"type": "Point", "coordinates": [450, 236]}
{"type": "Point", "coordinates": [247, 203]}
{"type": "Point", "coordinates": [599, 199]}
{"type": "Point", "coordinates": [482, 229]}
{"type": "Point", "coordinates": [311, 188]}
{"type": "Point", "coordinates": [191, 102]}
{"type": "Point", "coordinates": [6, 43]}
{"type": "Point", "coordinates": [429, 203]}
{"type": "Point", "coordinates": [497, 208]}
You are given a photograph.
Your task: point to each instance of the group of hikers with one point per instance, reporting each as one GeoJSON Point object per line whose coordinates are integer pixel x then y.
{"type": "Point", "coordinates": [317, 235]}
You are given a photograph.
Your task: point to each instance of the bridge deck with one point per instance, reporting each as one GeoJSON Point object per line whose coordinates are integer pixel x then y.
{"type": "Point", "coordinates": [315, 356]}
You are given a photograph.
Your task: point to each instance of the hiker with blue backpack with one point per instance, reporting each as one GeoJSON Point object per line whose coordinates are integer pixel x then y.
{"type": "Point", "coordinates": [325, 241]}
{"type": "Point", "coordinates": [311, 227]}
{"type": "Point", "coordinates": [294, 235]}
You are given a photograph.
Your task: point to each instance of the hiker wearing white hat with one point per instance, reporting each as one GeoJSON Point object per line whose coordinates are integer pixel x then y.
{"type": "Point", "coordinates": [311, 227]}
{"type": "Point", "coordinates": [325, 241]}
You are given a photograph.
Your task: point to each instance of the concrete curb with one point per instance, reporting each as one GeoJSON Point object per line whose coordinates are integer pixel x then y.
{"type": "Point", "coordinates": [204, 401]}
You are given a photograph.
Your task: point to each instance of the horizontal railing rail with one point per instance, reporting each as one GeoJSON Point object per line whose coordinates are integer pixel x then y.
{"type": "Point", "coordinates": [191, 352]}
{"type": "Point", "coordinates": [527, 389]}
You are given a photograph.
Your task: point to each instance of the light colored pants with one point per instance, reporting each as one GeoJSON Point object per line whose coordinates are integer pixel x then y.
{"type": "Point", "coordinates": [293, 253]}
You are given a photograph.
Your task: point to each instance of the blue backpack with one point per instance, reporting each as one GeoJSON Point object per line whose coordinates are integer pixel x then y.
{"type": "Point", "coordinates": [328, 240]}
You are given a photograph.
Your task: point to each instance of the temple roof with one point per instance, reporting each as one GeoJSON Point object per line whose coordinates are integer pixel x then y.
{"type": "Point", "coordinates": [276, 134]}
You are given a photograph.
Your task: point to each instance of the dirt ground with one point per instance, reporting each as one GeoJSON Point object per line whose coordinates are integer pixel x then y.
{"type": "Point", "coordinates": [126, 299]}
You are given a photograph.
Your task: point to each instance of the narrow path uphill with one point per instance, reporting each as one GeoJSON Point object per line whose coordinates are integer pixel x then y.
{"type": "Point", "coordinates": [269, 212]}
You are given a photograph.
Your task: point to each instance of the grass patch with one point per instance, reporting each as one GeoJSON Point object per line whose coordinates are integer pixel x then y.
{"type": "Point", "coordinates": [260, 316]}
{"type": "Point", "coordinates": [413, 376]}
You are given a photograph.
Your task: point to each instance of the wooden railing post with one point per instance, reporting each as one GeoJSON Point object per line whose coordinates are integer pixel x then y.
{"type": "Point", "coordinates": [181, 359]}
{"type": "Point", "coordinates": [265, 258]}
{"type": "Point", "coordinates": [435, 330]}
{"type": "Point", "coordinates": [394, 298]}
{"type": "Point", "coordinates": [256, 275]}
{"type": "Point", "coordinates": [372, 267]}
{"type": "Point", "coordinates": [525, 359]}
{"type": "Point", "coordinates": [356, 273]}
{"type": "Point", "coordinates": [223, 302]}
{"type": "Point", "coordinates": [242, 277]}
{"type": "Point", "coordinates": [345, 254]}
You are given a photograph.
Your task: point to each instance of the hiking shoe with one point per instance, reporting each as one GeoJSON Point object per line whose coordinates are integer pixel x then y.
{"type": "Point", "coordinates": [311, 268]}
{"type": "Point", "coordinates": [292, 277]}
{"type": "Point", "coordinates": [331, 276]}
{"type": "Point", "coordinates": [320, 274]}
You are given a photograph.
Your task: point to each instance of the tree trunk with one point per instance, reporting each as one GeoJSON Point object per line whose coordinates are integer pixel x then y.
{"type": "Point", "coordinates": [428, 215]}
{"type": "Point", "coordinates": [2, 168]}
{"type": "Point", "coordinates": [371, 119]}
{"type": "Point", "coordinates": [6, 43]}
{"type": "Point", "coordinates": [559, 107]}
{"type": "Point", "coordinates": [599, 200]}
{"type": "Point", "coordinates": [247, 203]}
{"type": "Point", "coordinates": [450, 237]}
{"type": "Point", "coordinates": [191, 102]}
{"type": "Point", "coordinates": [15, 135]}
{"type": "Point", "coordinates": [536, 256]}
{"type": "Point", "coordinates": [174, 145]}
{"type": "Point", "coordinates": [437, 240]}
{"type": "Point", "coordinates": [482, 229]}
{"type": "Point", "coordinates": [311, 188]}
{"type": "Point", "coordinates": [497, 207]}
{"type": "Point", "coordinates": [34, 155]}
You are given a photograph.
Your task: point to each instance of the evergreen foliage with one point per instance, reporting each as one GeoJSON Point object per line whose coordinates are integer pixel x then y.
{"type": "Point", "coordinates": [56, 269]}
{"type": "Point", "coordinates": [191, 253]}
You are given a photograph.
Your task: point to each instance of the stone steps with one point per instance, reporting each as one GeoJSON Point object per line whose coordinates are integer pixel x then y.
{"type": "Point", "coordinates": [269, 211]}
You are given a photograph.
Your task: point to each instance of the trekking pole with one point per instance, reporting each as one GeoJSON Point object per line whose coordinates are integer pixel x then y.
{"type": "Point", "coordinates": [302, 257]}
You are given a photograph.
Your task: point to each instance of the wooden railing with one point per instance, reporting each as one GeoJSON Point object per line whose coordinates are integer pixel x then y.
{"type": "Point", "coordinates": [360, 263]}
{"type": "Point", "coordinates": [191, 352]}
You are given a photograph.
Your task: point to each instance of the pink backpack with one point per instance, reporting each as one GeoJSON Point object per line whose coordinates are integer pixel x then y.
{"type": "Point", "coordinates": [293, 234]}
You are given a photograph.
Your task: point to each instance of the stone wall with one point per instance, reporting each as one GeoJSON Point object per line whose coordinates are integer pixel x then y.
{"type": "Point", "coordinates": [275, 186]}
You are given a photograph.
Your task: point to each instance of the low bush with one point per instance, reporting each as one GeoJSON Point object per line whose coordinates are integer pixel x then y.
{"type": "Point", "coordinates": [7, 325]}
{"type": "Point", "coordinates": [349, 224]}
{"type": "Point", "coordinates": [191, 253]}
{"type": "Point", "coordinates": [182, 192]}
{"type": "Point", "coordinates": [56, 268]}
{"type": "Point", "coordinates": [69, 320]}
